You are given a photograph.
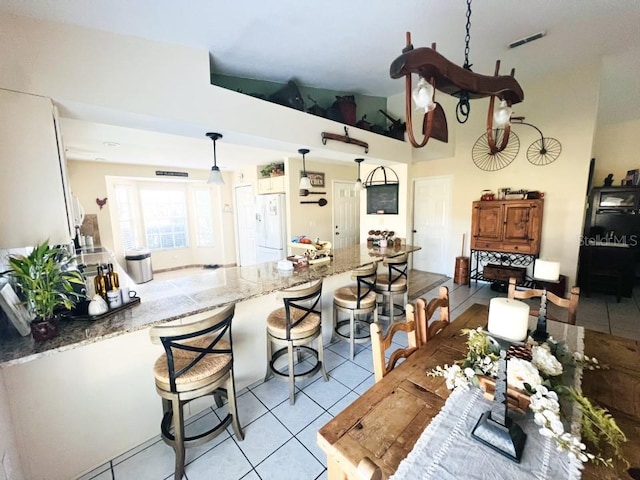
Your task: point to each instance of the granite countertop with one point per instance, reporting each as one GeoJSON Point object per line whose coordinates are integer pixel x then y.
{"type": "Point", "coordinates": [163, 301]}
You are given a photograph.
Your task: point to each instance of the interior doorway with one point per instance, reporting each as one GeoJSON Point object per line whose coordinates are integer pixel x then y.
{"type": "Point", "coordinates": [432, 224]}
{"type": "Point", "coordinates": [346, 215]}
{"type": "Point", "coordinates": [245, 225]}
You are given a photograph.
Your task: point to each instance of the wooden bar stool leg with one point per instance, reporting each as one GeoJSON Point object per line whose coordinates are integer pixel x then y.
{"type": "Point", "coordinates": [178, 433]}
{"type": "Point", "coordinates": [233, 407]}
{"type": "Point", "coordinates": [320, 347]}
{"type": "Point", "coordinates": [269, 373]}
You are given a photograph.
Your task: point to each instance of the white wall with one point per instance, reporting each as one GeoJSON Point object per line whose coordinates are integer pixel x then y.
{"type": "Point", "coordinates": [616, 150]}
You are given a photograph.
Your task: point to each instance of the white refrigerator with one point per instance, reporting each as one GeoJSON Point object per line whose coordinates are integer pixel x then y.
{"type": "Point", "coordinates": [271, 228]}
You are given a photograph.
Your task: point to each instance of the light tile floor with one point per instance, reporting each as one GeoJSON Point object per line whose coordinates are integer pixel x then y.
{"type": "Point", "coordinates": [280, 439]}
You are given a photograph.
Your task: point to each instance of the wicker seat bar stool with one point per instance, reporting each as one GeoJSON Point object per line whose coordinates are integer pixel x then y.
{"type": "Point", "coordinates": [294, 327]}
{"type": "Point", "coordinates": [391, 284]}
{"type": "Point", "coordinates": [198, 361]}
{"type": "Point", "coordinates": [359, 302]}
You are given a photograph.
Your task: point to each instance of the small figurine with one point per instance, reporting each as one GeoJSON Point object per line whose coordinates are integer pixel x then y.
{"type": "Point", "coordinates": [609, 180]}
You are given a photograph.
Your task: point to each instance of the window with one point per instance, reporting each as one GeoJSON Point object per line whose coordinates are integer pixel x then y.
{"type": "Point", "coordinates": [164, 214]}
{"type": "Point", "coordinates": [203, 217]}
{"type": "Point", "coordinates": [125, 207]}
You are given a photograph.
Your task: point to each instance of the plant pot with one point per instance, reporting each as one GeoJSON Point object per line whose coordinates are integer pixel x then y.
{"type": "Point", "coordinates": [42, 330]}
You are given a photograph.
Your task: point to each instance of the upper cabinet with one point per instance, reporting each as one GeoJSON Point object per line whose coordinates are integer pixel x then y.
{"type": "Point", "coordinates": [510, 226]}
{"type": "Point", "coordinates": [33, 196]}
{"type": "Point", "coordinates": [271, 185]}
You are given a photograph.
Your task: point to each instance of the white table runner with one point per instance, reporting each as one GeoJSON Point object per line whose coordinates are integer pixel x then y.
{"type": "Point", "coordinates": [446, 450]}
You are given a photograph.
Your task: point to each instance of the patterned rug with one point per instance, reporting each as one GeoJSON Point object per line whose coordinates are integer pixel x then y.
{"type": "Point", "coordinates": [421, 282]}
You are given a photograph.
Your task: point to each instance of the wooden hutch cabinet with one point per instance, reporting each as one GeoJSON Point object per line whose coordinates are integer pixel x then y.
{"type": "Point", "coordinates": [510, 226]}
{"type": "Point", "coordinates": [505, 239]}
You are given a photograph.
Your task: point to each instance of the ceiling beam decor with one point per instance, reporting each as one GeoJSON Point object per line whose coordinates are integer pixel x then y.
{"type": "Point", "coordinates": [344, 138]}
{"type": "Point", "coordinates": [436, 72]}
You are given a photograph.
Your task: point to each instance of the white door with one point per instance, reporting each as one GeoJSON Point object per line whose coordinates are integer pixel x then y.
{"type": "Point", "coordinates": [346, 215]}
{"type": "Point", "coordinates": [432, 224]}
{"type": "Point", "coordinates": [245, 225]}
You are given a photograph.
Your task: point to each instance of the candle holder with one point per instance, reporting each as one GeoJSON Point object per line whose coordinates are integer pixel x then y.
{"type": "Point", "coordinates": [540, 334]}
{"type": "Point", "coordinates": [494, 427]}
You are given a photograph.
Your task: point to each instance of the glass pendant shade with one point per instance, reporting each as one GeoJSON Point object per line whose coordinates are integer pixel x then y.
{"type": "Point", "coordinates": [215, 176]}
{"type": "Point", "coordinates": [423, 95]}
{"type": "Point", "coordinates": [502, 114]}
{"type": "Point", "coordinates": [305, 183]}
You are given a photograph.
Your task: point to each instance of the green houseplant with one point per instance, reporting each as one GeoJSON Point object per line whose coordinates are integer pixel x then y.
{"type": "Point", "coordinates": [274, 169]}
{"type": "Point", "coordinates": [45, 282]}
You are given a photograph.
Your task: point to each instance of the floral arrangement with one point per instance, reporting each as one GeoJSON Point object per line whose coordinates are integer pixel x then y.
{"type": "Point", "coordinates": [538, 373]}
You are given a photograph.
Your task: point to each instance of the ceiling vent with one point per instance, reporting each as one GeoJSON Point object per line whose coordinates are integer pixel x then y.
{"type": "Point", "coordinates": [528, 39]}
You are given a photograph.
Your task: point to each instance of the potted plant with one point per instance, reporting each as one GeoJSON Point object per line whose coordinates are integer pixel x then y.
{"type": "Point", "coordinates": [45, 282]}
{"type": "Point", "coordinates": [274, 169]}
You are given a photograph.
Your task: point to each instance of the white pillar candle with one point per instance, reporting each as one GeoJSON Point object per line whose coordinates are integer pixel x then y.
{"type": "Point", "coordinates": [546, 270]}
{"type": "Point", "coordinates": [508, 318]}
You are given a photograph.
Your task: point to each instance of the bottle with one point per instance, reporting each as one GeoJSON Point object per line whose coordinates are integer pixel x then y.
{"type": "Point", "coordinates": [107, 279]}
{"type": "Point", "coordinates": [100, 284]}
{"type": "Point", "coordinates": [113, 277]}
{"type": "Point", "coordinates": [76, 239]}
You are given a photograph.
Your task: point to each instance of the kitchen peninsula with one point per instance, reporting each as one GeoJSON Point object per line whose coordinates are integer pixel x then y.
{"type": "Point", "coordinates": [91, 388]}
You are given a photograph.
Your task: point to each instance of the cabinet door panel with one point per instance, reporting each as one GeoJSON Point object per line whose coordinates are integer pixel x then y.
{"type": "Point", "coordinates": [486, 223]}
{"type": "Point", "coordinates": [517, 228]}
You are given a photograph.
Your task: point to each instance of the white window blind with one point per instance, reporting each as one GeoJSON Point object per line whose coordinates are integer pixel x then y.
{"type": "Point", "coordinates": [125, 204]}
{"type": "Point", "coordinates": [203, 217]}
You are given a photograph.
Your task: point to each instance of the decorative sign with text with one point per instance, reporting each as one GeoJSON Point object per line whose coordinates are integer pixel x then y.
{"type": "Point", "coordinates": [165, 173]}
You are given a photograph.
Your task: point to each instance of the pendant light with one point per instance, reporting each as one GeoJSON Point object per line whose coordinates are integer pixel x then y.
{"type": "Point", "coordinates": [358, 186]}
{"type": "Point", "coordinates": [215, 177]}
{"type": "Point", "coordinates": [305, 183]}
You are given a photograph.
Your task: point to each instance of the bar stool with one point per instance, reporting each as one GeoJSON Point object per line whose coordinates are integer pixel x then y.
{"type": "Point", "coordinates": [295, 326]}
{"type": "Point", "coordinates": [393, 283]}
{"type": "Point", "coordinates": [356, 300]}
{"type": "Point", "coordinates": [198, 361]}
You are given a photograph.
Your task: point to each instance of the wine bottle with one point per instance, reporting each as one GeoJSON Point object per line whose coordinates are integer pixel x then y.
{"type": "Point", "coordinates": [100, 284]}
{"type": "Point", "coordinates": [113, 277]}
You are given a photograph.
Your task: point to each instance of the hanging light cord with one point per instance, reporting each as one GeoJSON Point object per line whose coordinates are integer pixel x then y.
{"type": "Point", "coordinates": [463, 109]}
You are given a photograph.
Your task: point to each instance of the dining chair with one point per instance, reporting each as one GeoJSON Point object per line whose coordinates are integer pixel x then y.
{"type": "Point", "coordinates": [425, 311]}
{"type": "Point", "coordinates": [360, 303]}
{"type": "Point", "coordinates": [198, 361]}
{"type": "Point", "coordinates": [416, 327]}
{"type": "Point", "coordinates": [570, 304]}
{"type": "Point", "coordinates": [294, 327]}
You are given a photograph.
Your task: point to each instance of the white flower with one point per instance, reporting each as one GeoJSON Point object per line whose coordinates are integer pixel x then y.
{"type": "Point", "coordinates": [520, 372]}
{"type": "Point", "coordinates": [545, 361]}
{"type": "Point", "coordinates": [469, 372]}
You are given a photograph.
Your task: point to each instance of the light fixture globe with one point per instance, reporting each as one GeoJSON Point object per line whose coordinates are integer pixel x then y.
{"type": "Point", "coordinates": [358, 185]}
{"type": "Point", "coordinates": [215, 176]}
{"type": "Point", "coordinates": [502, 115]}
{"type": "Point", "coordinates": [422, 95]}
{"type": "Point", "coordinates": [305, 183]}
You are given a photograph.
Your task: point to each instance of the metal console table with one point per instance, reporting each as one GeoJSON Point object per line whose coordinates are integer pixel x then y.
{"type": "Point", "coordinates": [481, 258]}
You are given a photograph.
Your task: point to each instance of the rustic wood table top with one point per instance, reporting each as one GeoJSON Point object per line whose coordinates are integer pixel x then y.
{"type": "Point", "coordinates": [385, 422]}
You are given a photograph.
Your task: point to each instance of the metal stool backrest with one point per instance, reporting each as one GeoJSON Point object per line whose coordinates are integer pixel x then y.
{"type": "Point", "coordinates": [304, 299]}
{"type": "Point", "coordinates": [397, 269]}
{"type": "Point", "coordinates": [182, 337]}
{"type": "Point", "coordinates": [365, 278]}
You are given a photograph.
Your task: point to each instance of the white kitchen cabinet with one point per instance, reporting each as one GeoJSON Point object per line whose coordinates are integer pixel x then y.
{"type": "Point", "coordinates": [271, 185]}
{"type": "Point", "coordinates": [33, 195]}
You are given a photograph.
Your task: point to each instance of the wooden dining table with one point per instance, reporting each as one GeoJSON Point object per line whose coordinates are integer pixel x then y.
{"type": "Point", "coordinates": [385, 422]}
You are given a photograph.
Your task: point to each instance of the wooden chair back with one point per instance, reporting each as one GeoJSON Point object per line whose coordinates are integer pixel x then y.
{"type": "Point", "coordinates": [571, 303]}
{"type": "Point", "coordinates": [380, 343]}
{"type": "Point", "coordinates": [425, 311]}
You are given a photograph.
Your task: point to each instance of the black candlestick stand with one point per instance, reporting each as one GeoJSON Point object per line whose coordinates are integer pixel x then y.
{"type": "Point", "coordinates": [540, 334]}
{"type": "Point", "coordinates": [494, 428]}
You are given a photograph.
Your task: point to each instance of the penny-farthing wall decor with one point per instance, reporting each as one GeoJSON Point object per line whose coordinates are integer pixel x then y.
{"type": "Point", "coordinates": [491, 160]}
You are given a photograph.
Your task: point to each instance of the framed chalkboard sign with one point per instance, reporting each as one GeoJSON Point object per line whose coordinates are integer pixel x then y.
{"type": "Point", "coordinates": [382, 199]}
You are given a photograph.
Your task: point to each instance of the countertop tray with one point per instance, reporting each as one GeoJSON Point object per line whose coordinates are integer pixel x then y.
{"type": "Point", "coordinates": [79, 315]}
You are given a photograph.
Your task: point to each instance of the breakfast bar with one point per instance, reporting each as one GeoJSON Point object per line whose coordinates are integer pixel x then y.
{"type": "Point", "coordinates": [90, 390]}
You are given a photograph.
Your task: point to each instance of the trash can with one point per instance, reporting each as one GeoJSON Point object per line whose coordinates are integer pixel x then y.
{"type": "Point", "coordinates": [139, 265]}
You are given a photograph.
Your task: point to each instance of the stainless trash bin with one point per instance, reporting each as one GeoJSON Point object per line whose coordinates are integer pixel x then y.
{"type": "Point", "coordinates": [139, 265]}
